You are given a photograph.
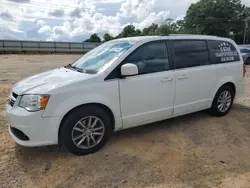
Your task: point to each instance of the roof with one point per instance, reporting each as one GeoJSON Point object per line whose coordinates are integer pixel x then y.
{"type": "Point", "coordinates": [139, 38]}
{"type": "Point", "coordinates": [174, 36]}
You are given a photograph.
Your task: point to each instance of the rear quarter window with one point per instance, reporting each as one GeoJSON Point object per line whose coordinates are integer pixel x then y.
{"type": "Point", "coordinates": [222, 52]}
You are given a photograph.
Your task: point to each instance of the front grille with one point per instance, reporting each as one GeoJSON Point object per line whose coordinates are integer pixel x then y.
{"type": "Point", "coordinates": [11, 102]}
{"type": "Point", "coordinates": [19, 134]}
{"type": "Point", "coordinates": [12, 99]}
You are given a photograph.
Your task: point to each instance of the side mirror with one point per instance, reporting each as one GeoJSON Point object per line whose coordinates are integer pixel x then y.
{"type": "Point", "coordinates": [129, 69]}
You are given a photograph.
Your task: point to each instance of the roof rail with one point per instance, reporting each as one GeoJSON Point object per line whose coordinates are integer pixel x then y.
{"type": "Point", "coordinates": [191, 35]}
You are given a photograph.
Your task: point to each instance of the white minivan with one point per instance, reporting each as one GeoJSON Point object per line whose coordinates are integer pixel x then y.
{"type": "Point", "coordinates": [125, 83]}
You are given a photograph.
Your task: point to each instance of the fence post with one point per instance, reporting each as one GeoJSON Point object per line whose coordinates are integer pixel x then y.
{"type": "Point", "coordinates": [22, 46]}
{"type": "Point", "coordinates": [39, 46]}
{"type": "Point", "coordinates": [3, 46]}
{"type": "Point", "coordinates": [54, 47]}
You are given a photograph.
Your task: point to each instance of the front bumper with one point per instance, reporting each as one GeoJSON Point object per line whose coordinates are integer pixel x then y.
{"type": "Point", "coordinates": [40, 131]}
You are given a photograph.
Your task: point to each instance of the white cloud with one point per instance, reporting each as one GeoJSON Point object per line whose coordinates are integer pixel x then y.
{"type": "Point", "coordinates": [110, 1]}
{"type": "Point", "coordinates": [11, 33]}
{"type": "Point", "coordinates": [138, 8]}
{"type": "Point", "coordinates": [20, 1]}
{"type": "Point", "coordinates": [246, 2]}
{"type": "Point", "coordinates": [40, 23]}
{"type": "Point", "coordinates": [6, 15]}
{"type": "Point", "coordinates": [75, 13]}
{"type": "Point", "coordinates": [45, 30]}
{"type": "Point", "coordinates": [67, 20]}
{"type": "Point", "coordinates": [56, 13]}
{"type": "Point", "coordinates": [153, 18]}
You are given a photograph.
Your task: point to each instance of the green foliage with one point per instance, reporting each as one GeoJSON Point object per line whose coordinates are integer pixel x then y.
{"type": "Point", "coordinates": [215, 17]}
{"type": "Point", "coordinates": [138, 32]}
{"type": "Point", "coordinates": [180, 25]}
{"type": "Point", "coordinates": [107, 37]}
{"type": "Point", "coordinates": [128, 31]}
{"type": "Point", "coordinates": [167, 28]}
{"type": "Point", "coordinates": [151, 30]}
{"type": "Point", "coordinates": [93, 38]}
{"type": "Point", "coordinates": [210, 17]}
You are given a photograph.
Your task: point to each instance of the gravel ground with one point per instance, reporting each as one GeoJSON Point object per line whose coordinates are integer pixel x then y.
{"type": "Point", "coordinates": [195, 150]}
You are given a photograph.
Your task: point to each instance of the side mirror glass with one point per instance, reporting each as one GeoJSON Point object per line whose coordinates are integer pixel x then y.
{"type": "Point", "coordinates": [129, 69]}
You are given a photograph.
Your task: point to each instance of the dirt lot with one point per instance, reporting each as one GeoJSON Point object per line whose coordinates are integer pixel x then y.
{"type": "Point", "coordinates": [196, 150]}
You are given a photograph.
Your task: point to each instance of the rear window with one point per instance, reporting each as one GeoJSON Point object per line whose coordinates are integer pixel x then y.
{"type": "Point", "coordinates": [223, 52]}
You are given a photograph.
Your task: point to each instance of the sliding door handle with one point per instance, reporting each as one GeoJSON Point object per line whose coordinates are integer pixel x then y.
{"type": "Point", "coordinates": [167, 79]}
{"type": "Point", "coordinates": [182, 77]}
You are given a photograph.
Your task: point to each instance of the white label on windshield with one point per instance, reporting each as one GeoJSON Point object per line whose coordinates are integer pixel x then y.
{"type": "Point", "coordinates": [116, 49]}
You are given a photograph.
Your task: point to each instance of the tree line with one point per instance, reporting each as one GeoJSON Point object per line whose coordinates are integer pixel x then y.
{"type": "Point", "coordinates": [225, 18]}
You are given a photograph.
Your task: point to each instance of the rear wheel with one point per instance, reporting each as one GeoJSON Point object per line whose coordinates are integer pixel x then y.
{"type": "Point", "coordinates": [85, 130]}
{"type": "Point", "coordinates": [223, 101]}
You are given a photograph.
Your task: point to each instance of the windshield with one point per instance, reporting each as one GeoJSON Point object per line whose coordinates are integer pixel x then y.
{"type": "Point", "coordinates": [102, 56]}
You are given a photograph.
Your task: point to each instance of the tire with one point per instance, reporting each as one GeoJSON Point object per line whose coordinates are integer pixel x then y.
{"type": "Point", "coordinates": [77, 120]}
{"type": "Point", "coordinates": [217, 109]}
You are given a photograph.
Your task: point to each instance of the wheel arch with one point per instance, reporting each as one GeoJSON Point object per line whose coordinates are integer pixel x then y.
{"type": "Point", "coordinates": [228, 83]}
{"type": "Point", "coordinates": [98, 105]}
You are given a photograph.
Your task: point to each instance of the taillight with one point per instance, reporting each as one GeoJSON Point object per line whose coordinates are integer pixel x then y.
{"type": "Point", "coordinates": [244, 69]}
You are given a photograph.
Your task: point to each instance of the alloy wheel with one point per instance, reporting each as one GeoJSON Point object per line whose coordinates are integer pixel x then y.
{"type": "Point", "coordinates": [224, 101]}
{"type": "Point", "coordinates": [88, 132]}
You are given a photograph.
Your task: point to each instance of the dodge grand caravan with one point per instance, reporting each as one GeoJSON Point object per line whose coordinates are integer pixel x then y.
{"type": "Point", "coordinates": [125, 83]}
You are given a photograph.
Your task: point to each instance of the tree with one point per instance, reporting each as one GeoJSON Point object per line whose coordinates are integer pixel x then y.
{"type": "Point", "coordinates": [151, 30]}
{"type": "Point", "coordinates": [93, 38]}
{"type": "Point", "coordinates": [138, 32]}
{"type": "Point", "coordinates": [168, 27]}
{"type": "Point", "coordinates": [248, 20]}
{"type": "Point", "coordinates": [180, 26]}
{"type": "Point", "coordinates": [107, 37]}
{"type": "Point", "coordinates": [128, 31]}
{"type": "Point", "coordinates": [215, 17]}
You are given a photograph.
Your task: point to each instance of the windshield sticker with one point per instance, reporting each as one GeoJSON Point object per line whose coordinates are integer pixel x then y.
{"type": "Point", "coordinates": [226, 53]}
{"type": "Point", "coordinates": [116, 49]}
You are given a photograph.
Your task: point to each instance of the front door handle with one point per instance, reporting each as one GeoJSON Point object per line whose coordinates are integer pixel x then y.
{"type": "Point", "coordinates": [167, 79]}
{"type": "Point", "coordinates": [182, 77]}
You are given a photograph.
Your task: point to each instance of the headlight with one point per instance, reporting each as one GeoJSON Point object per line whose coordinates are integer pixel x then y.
{"type": "Point", "coordinates": [34, 102]}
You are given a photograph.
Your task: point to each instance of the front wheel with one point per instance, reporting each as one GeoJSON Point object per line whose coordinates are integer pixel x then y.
{"type": "Point", "coordinates": [85, 130]}
{"type": "Point", "coordinates": [223, 101]}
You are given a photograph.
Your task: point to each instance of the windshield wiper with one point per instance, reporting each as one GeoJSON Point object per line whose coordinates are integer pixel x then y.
{"type": "Point", "coordinates": [90, 71]}
{"type": "Point", "coordinates": [69, 66]}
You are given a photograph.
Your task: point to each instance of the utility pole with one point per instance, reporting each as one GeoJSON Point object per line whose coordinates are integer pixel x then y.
{"type": "Point", "coordinates": [246, 29]}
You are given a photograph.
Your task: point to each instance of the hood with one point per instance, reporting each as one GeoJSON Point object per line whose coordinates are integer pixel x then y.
{"type": "Point", "coordinates": [44, 82]}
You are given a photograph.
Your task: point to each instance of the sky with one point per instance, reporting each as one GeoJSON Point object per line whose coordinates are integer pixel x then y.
{"type": "Point", "coordinates": [76, 20]}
